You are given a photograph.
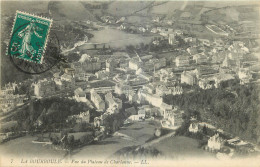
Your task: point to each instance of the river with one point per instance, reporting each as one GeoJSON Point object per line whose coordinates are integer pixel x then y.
{"type": "Point", "coordinates": [116, 38]}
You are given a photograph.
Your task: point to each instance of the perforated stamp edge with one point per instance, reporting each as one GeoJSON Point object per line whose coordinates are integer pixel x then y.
{"type": "Point", "coordinates": [47, 37]}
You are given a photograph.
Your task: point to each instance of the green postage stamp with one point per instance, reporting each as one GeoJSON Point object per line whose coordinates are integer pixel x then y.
{"type": "Point", "coordinates": [29, 37]}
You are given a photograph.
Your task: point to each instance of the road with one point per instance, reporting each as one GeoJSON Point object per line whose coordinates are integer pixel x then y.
{"type": "Point", "coordinates": [152, 142]}
{"type": "Point", "coordinates": [209, 27]}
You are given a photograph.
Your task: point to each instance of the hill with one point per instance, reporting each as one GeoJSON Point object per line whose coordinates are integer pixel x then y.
{"type": "Point", "coordinates": [126, 8]}
{"type": "Point", "coordinates": [69, 10]}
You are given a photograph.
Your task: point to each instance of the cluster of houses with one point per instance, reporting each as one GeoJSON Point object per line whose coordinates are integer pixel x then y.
{"type": "Point", "coordinates": [89, 64]}
{"type": "Point", "coordinates": [148, 95]}
{"type": "Point", "coordinates": [97, 100]}
{"type": "Point", "coordinates": [145, 80]}
{"type": "Point", "coordinates": [114, 104]}
{"type": "Point", "coordinates": [148, 28]}
{"type": "Point", "coordinates": [145, 94]}
{"type": "Point", "coordinates": [45, 87]}
{"type": "Point", "coordinates": [224, 146]}
{"type": "Point", "coordinates": [82, 70]}
{"type": "Point", "coordinates": [172, 118]}
{"type": "Point", "coordinates": [226, 59]}
{"type": "Point", "coordinates": [48, 86]}
{"type": "Point", "coordinates": [83, 117]}
{"type": "Point", "coordinates": [207, 63]}
{"type": "Point", "coordinates": [9, 99]}
{"type": "Point", "coordinates": [112, 19]}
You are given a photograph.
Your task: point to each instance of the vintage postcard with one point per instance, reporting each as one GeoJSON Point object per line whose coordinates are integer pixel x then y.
{"type": "Point", "coordinates": [130, 83]}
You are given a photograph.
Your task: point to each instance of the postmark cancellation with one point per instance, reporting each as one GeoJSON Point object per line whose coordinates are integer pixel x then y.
{"type": "Point", "coordinates": [29, 37]}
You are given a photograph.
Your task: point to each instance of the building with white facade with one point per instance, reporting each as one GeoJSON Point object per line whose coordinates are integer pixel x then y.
{"type": "Point", "coordinates": [135, 64]}
{"type": "Point", "coordinates": [103, 74]}
{"type": "Point", "coordinates": [192, 50]}
{"type": "Point", "coordinates": [44, 87]}
{"type": "Point", "coordinates": [206, 84]}
{"type": "Point", "coordinates": [8, 89]}
{"type": "Point", "coordinates": [171, 39]}
{"type": "Point", "coordinates": [112, 110]}
{"type": "Point", "coordinates": [182, 61]}
{"type": "Point", "coordinates": [141, 113]}
{"type": "Point", "coordinates": [176, 90]}
{"type": "Point", "coordinates": [153, 99]}
{"type": "Point", "coordinates": [80, 95]}
{"type": "Point", "coordinates": [112, 101]}
{"type": "Point", "coordinates": [194, 127]}
{"type": "Point", "coordinates": [162, 90]}
{"type": "Point", "coordinates": [111, 64]}
{"type": "Point", "coordinates": [70, 71]}
{"type": "Point", "coordinates": [80, 118]}
{"type": "Point", "coordinates": [97, 100]}
{"type": "Point", "coordinates": [172, 119]}
{"type": "Point", "coordinates": [132, 96]}
{"type": "Point", "coordinates": [67, 77]}
{"type": "Point", "coordinates": [149, 88]}
{"type": "Point", "coordinates": [200, 58]}
{"type": "Point", "coordinates": [215, 142]}
{"type": "Point", "coordinates": [9, 101]}
{"type": "Point", "coordinates": [244, 75]}
{"type": "Point", "coordinates": [164, 107]}
{"type": "Point", "coordinates": [222, 78]}
{"type": "Point", "coordinates": [87, 64]}
{"type": "Point", "coordinates": [122, 89]}
{"type": "Point", "coordinates": [188, 77]}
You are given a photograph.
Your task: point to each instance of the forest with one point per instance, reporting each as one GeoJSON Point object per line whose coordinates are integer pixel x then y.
{"type": "Point", "coordinates": [234, 108]}
{"type": "Point", "coordinates": [50, 113]}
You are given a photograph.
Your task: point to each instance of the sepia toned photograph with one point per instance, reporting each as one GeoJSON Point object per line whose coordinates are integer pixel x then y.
{"type": "Point", "coordinates": [130, 83]}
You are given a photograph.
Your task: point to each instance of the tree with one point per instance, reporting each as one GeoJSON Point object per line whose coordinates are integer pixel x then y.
{"type": "Point", "coordinates": [204, 130]}
{"type": "Point", "coordinates": [71, 140]}
{"type": "Point", "coordinates": [142, 45]}
{"type": "Point", "coordinates": [16, 91]}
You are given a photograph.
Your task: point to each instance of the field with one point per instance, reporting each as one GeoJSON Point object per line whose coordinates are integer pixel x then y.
{"type": "Point", "coordinates": [9, 7]}
{"type": "Point", "coordinates": [138, 19]}
{"type": "Point", "coordinates": [167, 8]}
{"type": "Point", "coordinates": [70, 10]}
{"type": "Point", "coordinates": [134, 134]}
{"type": "Point", "coordinates": [181, 147]}
{"type": "Point", "coordinates": [23, 148]}
{"type": "Point", "coordinates": [120, 9]}
{"type": "Point", "coordinates": [77, 135]}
